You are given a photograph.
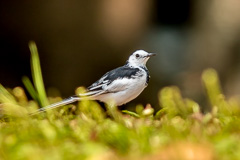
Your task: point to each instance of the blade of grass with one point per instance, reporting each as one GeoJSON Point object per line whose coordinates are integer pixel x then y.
{"type": "Point", "coordinates": [28, 84]}
{"type": "Point", "coordinates": [212, 85]}
{"type": "Point", "coordinates": [131, 113]}
{"type": "Point", "coordinates": [5, 96]}
{"type": "Point", "coordinates": [37, 75]}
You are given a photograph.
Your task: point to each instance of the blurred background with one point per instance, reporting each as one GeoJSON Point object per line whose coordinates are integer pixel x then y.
{"type": "Point", "coordinates": [79, 41]}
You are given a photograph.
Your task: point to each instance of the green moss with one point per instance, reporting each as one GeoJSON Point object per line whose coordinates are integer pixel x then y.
{"type": "Point", "coordinates": [85, 131]}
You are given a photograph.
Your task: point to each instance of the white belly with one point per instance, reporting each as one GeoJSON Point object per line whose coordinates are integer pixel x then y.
{"type": "Point", "coordinates": [123, 91]}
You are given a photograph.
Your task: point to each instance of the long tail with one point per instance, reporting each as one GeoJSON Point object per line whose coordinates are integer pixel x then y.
{"type": "Point", "coordinates": [58, 104]}
{"type": "Point", "coordinates": [89, 95]}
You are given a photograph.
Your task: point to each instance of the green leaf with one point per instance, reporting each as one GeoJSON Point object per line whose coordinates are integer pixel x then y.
{"type": "Point", "coordinates": [160, 113]}
{"type": "Point", "coordinates": [37, 75]}
{"type": "Point", "coordinates": [212, 84]}
{"type": "Point", "coordinates": [131, 113]}
{"type": "Point", "coordinates": [28, 84]}
{"type": "Point", "coordinates": [5, 96]}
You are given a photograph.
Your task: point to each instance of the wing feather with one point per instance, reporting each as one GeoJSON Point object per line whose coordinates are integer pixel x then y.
{"type": "Point", "coordinates": [113, 81]}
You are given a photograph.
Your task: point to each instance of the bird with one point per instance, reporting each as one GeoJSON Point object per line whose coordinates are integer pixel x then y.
{"type": "Point", "coordinates": [118, 86]}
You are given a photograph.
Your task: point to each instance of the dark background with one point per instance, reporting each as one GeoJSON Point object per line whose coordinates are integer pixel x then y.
{"type": "Point", "coordinates": [78, 41]}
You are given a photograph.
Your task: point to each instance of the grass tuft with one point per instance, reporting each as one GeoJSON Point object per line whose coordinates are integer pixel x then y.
{"type": "Point", "coordinates": [38, 90]}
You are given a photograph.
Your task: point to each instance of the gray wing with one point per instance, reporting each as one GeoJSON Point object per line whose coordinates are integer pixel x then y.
{"type": "Point", "coordinates": [110, 82]}
{"type": "Point", "coordinates": [96, 88]}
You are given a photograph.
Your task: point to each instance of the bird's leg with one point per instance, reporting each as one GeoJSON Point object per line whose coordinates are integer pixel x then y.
{"type": "Point", "coordinates": [113, 112]}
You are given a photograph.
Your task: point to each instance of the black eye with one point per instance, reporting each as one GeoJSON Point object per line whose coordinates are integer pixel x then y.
{"type": "Point", "coordinates": [137, 55]}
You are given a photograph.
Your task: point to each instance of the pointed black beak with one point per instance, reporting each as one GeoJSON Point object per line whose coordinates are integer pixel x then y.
{"type": "Point", "coordinates": [151, 54]}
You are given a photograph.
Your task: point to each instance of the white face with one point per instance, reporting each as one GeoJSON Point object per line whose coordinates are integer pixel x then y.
{"type": "Point", "coordinates": [139, 58]}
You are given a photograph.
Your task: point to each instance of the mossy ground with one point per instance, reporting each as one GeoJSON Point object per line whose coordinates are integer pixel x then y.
{"type": "Point", "coordinates": [85, 131]}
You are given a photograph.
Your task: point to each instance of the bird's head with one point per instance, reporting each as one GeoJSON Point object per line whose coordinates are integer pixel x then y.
{"type": "Point", "coordinates": [139, 58]}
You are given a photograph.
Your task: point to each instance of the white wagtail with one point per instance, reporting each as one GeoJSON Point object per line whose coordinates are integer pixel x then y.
{"type": "Point", "coordinates": [116, 87]}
